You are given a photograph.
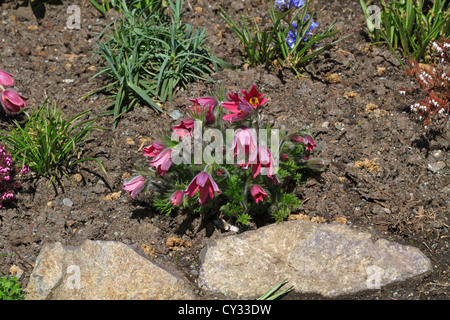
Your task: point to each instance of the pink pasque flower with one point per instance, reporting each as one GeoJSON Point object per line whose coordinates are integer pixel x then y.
{"type": "Point", "coordinates": [177, 198]}
{"type": "Point", "coordinates": [244, 140]}
{"type": "Point", "coordinates": [205, 101]}
{"type": "Point", "coordinates": [254, 97]}
{"type": "Point", "coordinates": [297, 139]}
{"type": "Point", "coordinates": [185, 127]}
{"type": "Point", "coordinates": [240, 110]}
{"type": "Point", "coordinates": [205, 183]}
{"type": "Point", "coordinates": [153, 150]}
{"type": "Point", "coordinates": [6, 79]}
{"type": "Point", "coordinates": [261, 157]}
{"type": "Point", "coordinates": [202, 104]}
{"type": "Point", "coordinates": [12, 101]}
{"type": "Point", "coordinates": [162, 161]}
{"type": "Point", "coordinates": [258, 193]}
{"type": "Point", "coordinates": [310, 143]}
{"type": "Point", "coordinates": [134, 186]}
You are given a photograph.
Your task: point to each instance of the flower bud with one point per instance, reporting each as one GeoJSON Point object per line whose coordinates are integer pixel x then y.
{"type": "Point", "coordinates": [177, 198]}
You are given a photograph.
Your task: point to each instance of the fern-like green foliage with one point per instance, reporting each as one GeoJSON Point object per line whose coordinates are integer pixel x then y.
{"type": "Point", "coordinates": [10, 289]}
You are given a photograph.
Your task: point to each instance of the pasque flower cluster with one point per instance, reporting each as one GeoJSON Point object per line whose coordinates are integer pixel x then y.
{"type": "Point", "coordinates": [10, 99]}
{"type": "Point", "coordinates": [255, 168]}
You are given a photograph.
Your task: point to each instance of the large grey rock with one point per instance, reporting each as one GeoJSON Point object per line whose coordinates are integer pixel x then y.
{"type": "Point", "coordinates": [329, 259]}
{"type": "Point", "coordinates": [102, 270]}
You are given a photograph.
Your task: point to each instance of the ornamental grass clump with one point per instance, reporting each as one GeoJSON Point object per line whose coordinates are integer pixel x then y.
{"type": "Point", "coordinates": [149, 54]}
{"type": "Point", "coordinates": [409, 25]}
{"type": "Point", "coordinates": [223, 161]}
{"type": "Point", "coordinates": [50, 144]}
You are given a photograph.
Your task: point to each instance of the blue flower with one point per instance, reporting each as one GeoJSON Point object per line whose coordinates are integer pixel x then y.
{"type": "Point", "coordinates": [292, 34]}
{"type": "Point", "coordinates": [291, 37]}
{"type": "Point", "coordinates": [288, 4]}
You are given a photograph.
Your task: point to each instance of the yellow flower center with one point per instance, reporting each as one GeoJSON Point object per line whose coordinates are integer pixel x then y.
{"type": "Point", "coordinates": [254, 101]}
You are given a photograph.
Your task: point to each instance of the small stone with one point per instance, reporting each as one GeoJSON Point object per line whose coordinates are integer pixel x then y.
{"type": "Point", "coordinates": [67, 202]}
{"type": "Point", "coordinates": [437, 166]}
{"type": "Point", "coordinates": [325, 124]}
{"type": "Point", "coordinates": [175, 114]}
{"type": "Point", "coordinates": [437, 154]}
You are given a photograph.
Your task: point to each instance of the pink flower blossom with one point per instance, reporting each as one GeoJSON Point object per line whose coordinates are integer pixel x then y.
{"type": "Point", "coordinates": [185, 127]}
{"type": "Point", "coordinates": [261, 157]}
{"type": "Point", "coordinates": [239, 110]}
{"type": "Point", "coordinates": [12, 101]}
{"type": "Point", "coordinates": [177, 198]}
{"type": "Point", "coordinates": [297, 139]}
{"type": "Point", "coordinates": [153, 150]}
{"type": "Point", "coordinates": [258, 193]}
{"type": "Point", "coordinates": [254, 97]}
{"type": "Point", "coordinates": [205, 183]}
{"type": "Point", "coordinates": [162, 161]}
{"type": "Point", "coordinates": [6, 79]}
{"type": "Point", "coordinates": [244, 140]}
{"type": "Point", "coordinates": [134, 186]}
{"type": "Point", "coordinates": [24, 170]}
{"type": "Point", "coordinates": [202, 104]}
{"type": "Point", "coordinates": [310, 144]}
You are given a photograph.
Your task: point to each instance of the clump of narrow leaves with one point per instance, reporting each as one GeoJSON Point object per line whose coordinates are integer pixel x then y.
{"type": "Point", "coordinates": [409, 25]}
{"type": "Point", "coordinates": [222, 160]}
{"type": "Point", "coordinates": [50, 144]}
{"type": "Point", "coordinates": [148, 53]}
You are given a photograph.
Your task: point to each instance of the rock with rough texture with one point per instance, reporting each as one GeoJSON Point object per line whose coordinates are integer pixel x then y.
{"type": "Point", "coordinates": [328, 259]}
{"type": "Point", "coordinates": [102, 270]}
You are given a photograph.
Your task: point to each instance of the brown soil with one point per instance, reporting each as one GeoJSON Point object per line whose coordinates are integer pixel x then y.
{"type": "Point", "coordinates": [402, 200]}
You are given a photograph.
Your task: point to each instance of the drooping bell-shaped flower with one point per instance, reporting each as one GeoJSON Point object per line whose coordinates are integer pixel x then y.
{"type": "Point", "coordinates": [205, 183]}
{"type": "Point", "coordinates": [134, 186]}
{"type": "Point", "coordinates": [12, 101]}
{"type": "Point", "coordinates": [177, 198]}
{"type": "Point", "coordinates": [162, 161]}
{"type": "Point", "coordinates": [153, 150]}
{"type": "Point", "coordinates": [6, 79]}
{"type": "Point", "coordinates": [258, 193]}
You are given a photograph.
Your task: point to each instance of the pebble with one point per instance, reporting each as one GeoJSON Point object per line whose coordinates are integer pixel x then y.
{"type": "Point", "coordinates": [437, 166]}
{"type": "Point", "coordinates": [175, 114]}
{"type": "Point", "coordinates": [67, 202]}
